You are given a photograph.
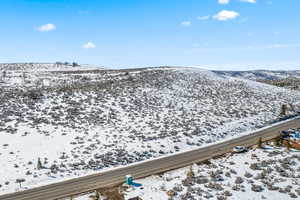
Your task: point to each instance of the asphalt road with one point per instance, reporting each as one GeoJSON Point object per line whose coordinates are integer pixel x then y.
{"type": "Point", "coordinates": [113, 177]}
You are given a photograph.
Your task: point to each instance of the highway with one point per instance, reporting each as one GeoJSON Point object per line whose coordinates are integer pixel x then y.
{"type": "Point", "coordinates": [116, 176]}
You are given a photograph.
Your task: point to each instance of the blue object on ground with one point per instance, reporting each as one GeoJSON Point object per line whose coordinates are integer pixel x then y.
{"type": "Point", "coordinates": [296, 135]}
{"type": "Point", "coordinates": [136, 184]}
{"type": "Point", "coordinates": [129, 181]}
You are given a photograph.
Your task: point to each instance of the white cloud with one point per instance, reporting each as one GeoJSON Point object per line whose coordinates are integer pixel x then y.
{"type": "Point", "coordinates": [223, 1]}
{"type": "Point", "coordinates": [203, 17]}
{"type": "Point", "coordinates": [89, 45]}
{"type": "Point", "coordinates": [248, 1]}
{"type": "Point", "coordinates": [46, 27]}
{"type": "Point", "coordinates": [225, 15]}
{"type": "Point", "coordinates": [186, 23]}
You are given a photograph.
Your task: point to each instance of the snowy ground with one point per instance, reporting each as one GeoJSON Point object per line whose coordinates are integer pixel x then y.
{"type": "Point", "coordinates": [270, 173]}
{"type": "Point", "coordinates": [85, 120]}
{"type": "Point", "coordinates": [258, 174]}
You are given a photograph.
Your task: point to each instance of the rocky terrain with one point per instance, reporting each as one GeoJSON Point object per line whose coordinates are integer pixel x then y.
{"type": "Point", "coordinates": [61, 122]}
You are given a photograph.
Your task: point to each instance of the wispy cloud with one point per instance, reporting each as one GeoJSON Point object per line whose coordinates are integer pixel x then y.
{"type": "Point", "coordinates": [248, 1]}
{"type": "Point", "coordinates": [89, 45]}
{"type": "Point", "coordinates": [203, 17]}
{"type": "Point", "coordinates": [46, 27]}
{"type": "Point", "coordinates": [186, 23]}
{"type": "Point", "coordinates": [223, 1]}
{"type": "Point", "coordinates": [225, 15]}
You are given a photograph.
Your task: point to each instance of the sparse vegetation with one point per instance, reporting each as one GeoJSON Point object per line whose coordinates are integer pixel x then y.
{"type": "Point", "coordinates": [96, 119]}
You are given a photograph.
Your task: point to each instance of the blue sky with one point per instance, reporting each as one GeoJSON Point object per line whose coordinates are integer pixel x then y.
{"type": "Point", "coordinates": [214, 34]}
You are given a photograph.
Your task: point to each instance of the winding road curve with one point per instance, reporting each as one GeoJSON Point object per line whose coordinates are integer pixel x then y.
{"type": "Point", "coordinates": [116, 176]}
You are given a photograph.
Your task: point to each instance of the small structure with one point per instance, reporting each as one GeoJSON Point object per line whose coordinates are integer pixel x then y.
{"type": "Point", "coordinates": [129, 181]}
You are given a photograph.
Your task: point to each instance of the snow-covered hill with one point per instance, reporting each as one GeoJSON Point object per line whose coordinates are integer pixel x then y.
{"type": "Point", "coordinates": [261, 74]}
{"type": "Point", "coordinates": [83, 120]}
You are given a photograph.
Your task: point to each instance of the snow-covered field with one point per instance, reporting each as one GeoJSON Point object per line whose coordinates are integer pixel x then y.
{"type": "Point", "coordinates": [79, 121]}
{"type": "Point", "coordinates": [269, 173]}
{"type": "Point", "coordinates": [272, 174]}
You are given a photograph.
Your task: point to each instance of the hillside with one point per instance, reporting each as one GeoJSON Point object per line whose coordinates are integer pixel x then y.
{"type": "Point", "coordinates": [261, 74]}
{"type": "Point", "coordinates": [286, 79]}
{"type": "Point", "coordinates": [82, 120]}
